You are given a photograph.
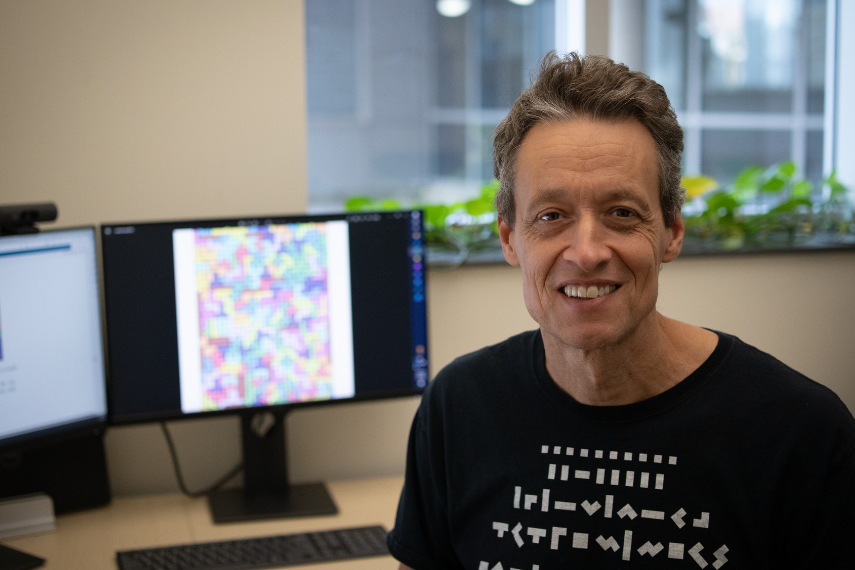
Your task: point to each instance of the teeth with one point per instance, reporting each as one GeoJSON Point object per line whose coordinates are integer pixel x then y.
{"type": "Point", "coordinates": [588, 292]}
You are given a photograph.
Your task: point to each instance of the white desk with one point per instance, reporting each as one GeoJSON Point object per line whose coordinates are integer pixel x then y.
{"type": "Point", "coordinates": [89, 539]}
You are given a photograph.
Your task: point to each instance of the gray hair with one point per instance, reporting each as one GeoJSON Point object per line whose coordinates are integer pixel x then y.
{"type": "Point", "coordinates": [572, 86]}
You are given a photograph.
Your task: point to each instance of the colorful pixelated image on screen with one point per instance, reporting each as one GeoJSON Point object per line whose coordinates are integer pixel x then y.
{"type": "Point", "coordinates": [263, 315]}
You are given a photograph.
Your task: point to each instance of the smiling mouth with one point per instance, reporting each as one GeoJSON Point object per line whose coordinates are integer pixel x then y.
{"type": "Point", "coordinates": [591, 292]}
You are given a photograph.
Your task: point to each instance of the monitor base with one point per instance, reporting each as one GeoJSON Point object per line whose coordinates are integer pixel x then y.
{"type": "Point", "coordinates": [306, 500]}
{"type": "Point", "coordinates": [11, 559]}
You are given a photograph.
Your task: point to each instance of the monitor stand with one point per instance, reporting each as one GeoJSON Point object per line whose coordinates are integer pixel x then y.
{"type": "Point", "coordinates": [11, 559]}
{"type": "Point", "coordinates": [266, 493]}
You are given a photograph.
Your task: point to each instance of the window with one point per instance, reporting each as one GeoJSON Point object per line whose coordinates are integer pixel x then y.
{"type": "Point", "coordinates": [748, 80]}
{"type": "Point", "coordinates": [402, 100]}
{"type": "Point", "coordinates": [753, 85]}
{"type": "Point", "coordinates": [403, 95]}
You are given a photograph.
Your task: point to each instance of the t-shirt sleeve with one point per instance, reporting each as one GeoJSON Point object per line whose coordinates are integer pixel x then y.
{"type": "Point", "coordinates": [827, 540]}
{"type": "Point", "coordinates": [421, 538]}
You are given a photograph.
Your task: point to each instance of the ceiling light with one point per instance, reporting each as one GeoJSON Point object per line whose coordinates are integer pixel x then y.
{"type": "Point", "coordinates": [453, 8]}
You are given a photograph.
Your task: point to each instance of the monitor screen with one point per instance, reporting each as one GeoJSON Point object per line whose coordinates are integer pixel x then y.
{"type": "Point", "coordinates": [51, 360]}
{"type": "Point", "coordinates": [208, 317]}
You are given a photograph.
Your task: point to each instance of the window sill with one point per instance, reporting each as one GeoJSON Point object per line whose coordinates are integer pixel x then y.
{"type": "Point", "coordinates": [445, 256]}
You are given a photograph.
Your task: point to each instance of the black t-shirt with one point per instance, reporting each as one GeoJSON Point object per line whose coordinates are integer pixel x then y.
{"type": "Point", "coordinates": [744, 464]}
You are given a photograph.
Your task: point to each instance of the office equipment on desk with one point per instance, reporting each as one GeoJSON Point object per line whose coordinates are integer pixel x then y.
{"type": "Point", "coordinates": [258, 317]}
{"type": "Point", "coordinates": [90, 539]}
{"type": "Point", "coordinates": [53, 404]}
{"type": "Point", "coordinates": [11, 559]}
{"type": "Point", "coordinates": [263, 552]}
{"type": "Point", "coordinates": [20, 219]}
{"type": "Point", "coordinates": [26, 514]}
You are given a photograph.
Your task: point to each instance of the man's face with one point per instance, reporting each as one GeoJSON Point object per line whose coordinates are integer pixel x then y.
{"type": "Point", "coordinates": [588, 217]}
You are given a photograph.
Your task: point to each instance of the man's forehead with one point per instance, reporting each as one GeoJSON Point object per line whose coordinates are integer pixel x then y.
{"type": "Point", "coordinates": [600, 161]}
{"type": "Point", "coordinates": [583, 134]}
{"type": "Point", "coordinates": [582, 146]}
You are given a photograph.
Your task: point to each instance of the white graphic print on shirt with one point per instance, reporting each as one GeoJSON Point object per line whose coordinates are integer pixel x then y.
{"type": "Point", "coordinates": [616, 469]}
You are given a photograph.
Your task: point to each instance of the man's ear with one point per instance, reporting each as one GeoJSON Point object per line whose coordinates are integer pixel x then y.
{"type": "Point", "coordinates": [506, 235]}
{"type": "Point", "coordinates": [676, 232]}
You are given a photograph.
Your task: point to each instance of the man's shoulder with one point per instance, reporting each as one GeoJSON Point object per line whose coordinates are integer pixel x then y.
{"type": "Point", "coordinates": [512, 357]}
{"type": "Point", "coordinates": [773, 382]}
{"type": "Point", "coordinates": [519, 346]}
{"type": "Point", "coordinates": [758, 364]}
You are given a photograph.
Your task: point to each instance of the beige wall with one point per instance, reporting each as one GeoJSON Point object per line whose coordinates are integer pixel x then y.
{"type": "Point", "coordinates": [120, 110]}
{"type": "Point", "coordinates": [123, 110]}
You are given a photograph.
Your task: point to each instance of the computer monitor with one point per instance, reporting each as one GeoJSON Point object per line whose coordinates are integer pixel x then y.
{"type": "Point", "coordinates": [242, 316]}
{"type": "Point", "coordinates": [52, 385]}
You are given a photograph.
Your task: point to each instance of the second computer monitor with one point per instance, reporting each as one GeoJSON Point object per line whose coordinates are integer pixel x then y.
{"type": "Point", "coordinates": [53, 403]}
{"type": "Point", "coordinates": [207, 317]}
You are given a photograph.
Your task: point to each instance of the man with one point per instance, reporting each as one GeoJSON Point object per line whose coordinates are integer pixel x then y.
{"type": "Point", "coordinates": [614, 436]}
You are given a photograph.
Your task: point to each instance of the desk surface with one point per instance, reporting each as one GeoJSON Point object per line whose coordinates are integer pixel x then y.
{"type": "Point", "coordinates": [90, 539]}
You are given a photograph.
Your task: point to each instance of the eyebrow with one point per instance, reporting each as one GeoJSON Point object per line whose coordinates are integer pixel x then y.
{"type": "Point", "coordinates": [618, 195]}
{"type": "Point", "coordinates": [549, 195]}
{"type": "Point", "coordinates": [624, 195]}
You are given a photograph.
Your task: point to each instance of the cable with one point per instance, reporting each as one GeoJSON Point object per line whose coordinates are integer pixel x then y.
{"type": "Point", "coordinates": [194, 494]}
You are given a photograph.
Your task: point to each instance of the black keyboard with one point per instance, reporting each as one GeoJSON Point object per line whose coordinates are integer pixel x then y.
{"type": "Point", "coordinates": [265, 552]}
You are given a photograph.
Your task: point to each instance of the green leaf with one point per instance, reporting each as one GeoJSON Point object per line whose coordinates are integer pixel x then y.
{"type": "Point", "coordinates": [389, 205]}
{"type": "Point", "coordinates": [836, 187]}
{"type": "Point", "coordinates": [787, 169]}
{"type": "Point", "coordinates": [478, 207]}
{"type": "Point", "coordinates": [748, 179]}
{"type": "Point", "coordinates": [435, 214]}
{"type": "Point", "coordinates": [721, 200]}
{"type": "Point", "coordinates": [790, 205]}
{"type": "Point", "coordinates": [488, 191]}
{"type": "Point", "coordinates": [774, 184]}
{"type": "Point", "coordinates": [358, 204]}
{"type": "Point", "coordinates": [802, 189]}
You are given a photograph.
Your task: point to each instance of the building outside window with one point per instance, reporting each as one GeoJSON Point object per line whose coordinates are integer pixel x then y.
{"type": "Point", "coordinates": [402, 100]}
{"type": "Point", "coordinates": [403, 95]}
{"type": "Point", "coordinates": [748, 83]}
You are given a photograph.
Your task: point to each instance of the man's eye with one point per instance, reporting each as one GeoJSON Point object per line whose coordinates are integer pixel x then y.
{"type": "Point", "coordinates": [624, 213]}
{"type": "Point", "coordinates": [550, 216]}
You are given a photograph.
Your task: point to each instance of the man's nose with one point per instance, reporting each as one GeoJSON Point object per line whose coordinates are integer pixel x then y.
{"type": "Point", "coordinates": [586, 247]}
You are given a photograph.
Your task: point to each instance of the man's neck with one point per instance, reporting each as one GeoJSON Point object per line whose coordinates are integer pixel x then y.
{"type": "Point", "coordinates": [653, 359]}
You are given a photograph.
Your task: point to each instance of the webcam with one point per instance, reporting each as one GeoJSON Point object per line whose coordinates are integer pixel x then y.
{"type": "Point", "coordinates": [22, 218]}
